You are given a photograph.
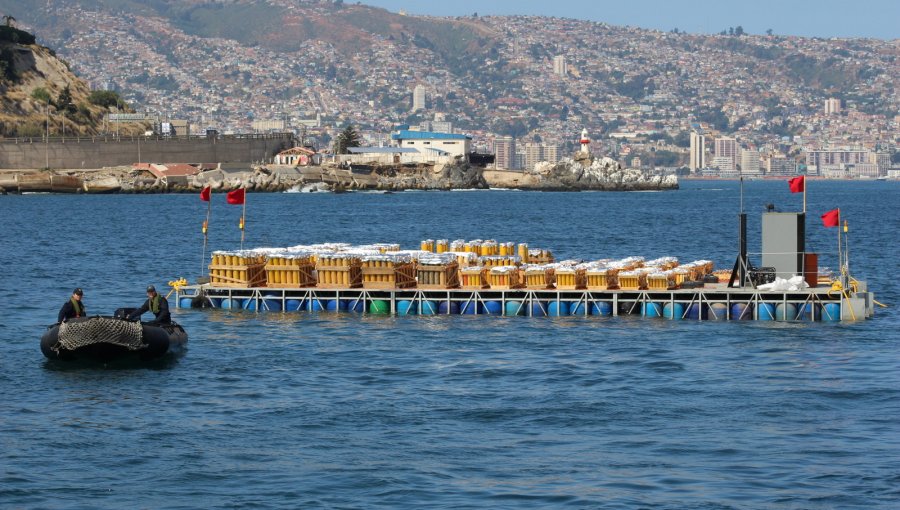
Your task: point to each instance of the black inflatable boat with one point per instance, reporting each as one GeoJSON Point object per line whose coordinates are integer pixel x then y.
{"type": "Point", "coordinates": [106, 339]}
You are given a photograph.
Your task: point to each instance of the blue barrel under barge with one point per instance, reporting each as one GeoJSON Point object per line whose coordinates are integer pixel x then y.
{"type": "Point", "coordinates": [713, 302]}
{"type": "Point", "coordinates": [497, 279]}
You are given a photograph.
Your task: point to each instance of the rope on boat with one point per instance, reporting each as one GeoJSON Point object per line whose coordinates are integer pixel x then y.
{"type": "Point", "coordinates": [75, 334]}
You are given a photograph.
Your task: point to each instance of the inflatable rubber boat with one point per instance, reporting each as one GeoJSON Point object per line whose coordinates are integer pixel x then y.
{"type": "Point", "coordinates": [105, 339]}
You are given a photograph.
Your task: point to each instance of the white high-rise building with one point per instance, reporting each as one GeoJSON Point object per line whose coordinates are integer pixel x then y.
{"type": "Point", "coordinates": [698, 152]}
{"type": "Point", "coordinates": [418, 98]}
{"type": "Point", "coordinates": [505, 152]}
{"type": "Point", "coordinates": [534, 153]}
{"type": "Point", "coordinates": [832, 106]}
{"type": "Point", "coordinates": [883, 161]}
{"type": "Point", "coordinates": [560, 67]}
{"type": "Point", "coordinates": [750, 163]}
{"type": "Point", "coordinates": [726, 149]}
{"type": "Point", "coordinates": [779, 164]}
{"type": "Point", "coordinates": [551, 153]}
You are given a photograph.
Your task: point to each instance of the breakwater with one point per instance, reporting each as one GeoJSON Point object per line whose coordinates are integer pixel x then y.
{"type": "Point", "coordinates": [108, 151]}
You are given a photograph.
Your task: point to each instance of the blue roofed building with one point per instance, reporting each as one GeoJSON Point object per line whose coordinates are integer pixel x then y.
{"type": "Point", "coordinates": [440, 144]}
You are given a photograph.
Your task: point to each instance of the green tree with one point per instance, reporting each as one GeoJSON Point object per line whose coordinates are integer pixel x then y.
{"type": "Point", "coordinates": [8, 65]}
{"type": "Point", "coordinates": [347, 138]}
{"type": "Point", "coordinates": [107, 98]}
{"type": "Point", "coordinates": [40, 94]}
{"type": "Point", "coordinates": [64, 101]}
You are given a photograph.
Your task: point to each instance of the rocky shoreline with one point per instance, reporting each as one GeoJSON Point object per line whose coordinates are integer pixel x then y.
{"type": "Point", "coordinates": [580, 174]}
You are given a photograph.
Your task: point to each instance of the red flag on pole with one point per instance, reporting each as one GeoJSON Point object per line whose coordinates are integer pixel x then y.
{"type": "Point", "coordinates": [797, 184]}
{"type": "Point", "coordinates": [204, 195]}
{"type": "Point", "coordinates": [832, 218]}
{"type": "Point", "coordinates": [235, 197]}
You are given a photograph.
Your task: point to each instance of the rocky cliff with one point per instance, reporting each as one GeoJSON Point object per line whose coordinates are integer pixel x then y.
{"type": "Point", "coordinates": [567, 175]}
{"type": "Point", "coordinates": [33, 78]}
{"type": "Point", "coordinates": [602, 174]}
{"type": "Point", "coordinates": [456, 176]}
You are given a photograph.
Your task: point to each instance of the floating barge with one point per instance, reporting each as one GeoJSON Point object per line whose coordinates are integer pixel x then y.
{"type": "Point", "coordinates": [502, 279]}
{"type": "Point", "coordinates": [715, 302]}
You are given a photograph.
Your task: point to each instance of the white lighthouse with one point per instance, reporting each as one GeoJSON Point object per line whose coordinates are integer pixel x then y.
{"type": "Point", "coordinates": [585, 142]}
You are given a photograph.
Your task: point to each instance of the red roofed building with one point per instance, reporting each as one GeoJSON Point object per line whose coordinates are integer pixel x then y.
{"type": "Point", "coordinates": [169, 173]}
{"type": "Point", "coordinates": [297, 156]}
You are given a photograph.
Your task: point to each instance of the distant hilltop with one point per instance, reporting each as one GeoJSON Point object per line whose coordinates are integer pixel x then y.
{"type": "Point", "coordinates": [37, 89]}
{"type": "Point", "coordinates": [316, 66]}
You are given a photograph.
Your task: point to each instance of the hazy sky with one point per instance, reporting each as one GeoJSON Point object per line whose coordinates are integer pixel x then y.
{"type": "Point", "coordinates": [820, 18]}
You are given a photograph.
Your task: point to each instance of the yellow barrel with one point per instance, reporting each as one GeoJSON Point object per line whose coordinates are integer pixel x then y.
{"type": "Point", "coordinates": [523, 252]}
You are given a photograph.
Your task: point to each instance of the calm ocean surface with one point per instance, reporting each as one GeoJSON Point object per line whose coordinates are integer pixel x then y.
{"type": "Point", "coordinates": [305, 410]}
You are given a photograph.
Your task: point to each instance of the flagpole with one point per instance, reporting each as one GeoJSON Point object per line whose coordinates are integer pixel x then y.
{"type": "Point", "coordinates": [243, 218]}
{"type": "Point", "coordinates": [804, 194]}
{"type": "Point", "coordinates": [847, 246]}
{"type": "Point", "coordinates": [840, 257]}
{"type": "Point", "coordinates": [803, 255]}
{"type": "Point", "coordinates": [205, 235]}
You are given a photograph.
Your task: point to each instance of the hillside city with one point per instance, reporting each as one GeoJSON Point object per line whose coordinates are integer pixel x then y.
{"type": "Point", "coordinates": [522, 87]}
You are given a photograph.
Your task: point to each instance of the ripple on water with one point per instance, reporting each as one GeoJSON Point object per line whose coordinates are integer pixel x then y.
{"type": "Point", "coordinates": [347, 411]}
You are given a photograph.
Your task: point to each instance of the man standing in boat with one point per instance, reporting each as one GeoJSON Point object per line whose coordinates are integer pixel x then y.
{"type": "Point", "coordinates": [73, 308]}
{"type": "Point", "coordinates": [156, 304]}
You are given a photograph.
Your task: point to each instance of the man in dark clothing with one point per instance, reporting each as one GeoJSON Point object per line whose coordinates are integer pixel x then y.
{"type": "Point", "coordinates": [73, 308]}
{"type": "Point", "coordinates": [155, 304]}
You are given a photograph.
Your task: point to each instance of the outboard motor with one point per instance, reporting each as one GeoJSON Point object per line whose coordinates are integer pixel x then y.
{"type": "Point", "coordinates": [123, 313]}
{"type": "Point", "coordinates": [201, 301]}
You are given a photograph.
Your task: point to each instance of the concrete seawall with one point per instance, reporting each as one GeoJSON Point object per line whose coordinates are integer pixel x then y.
{"type": "Point", "coordinates": [96, 152]}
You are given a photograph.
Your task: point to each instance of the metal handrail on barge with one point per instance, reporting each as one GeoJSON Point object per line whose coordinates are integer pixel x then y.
{"type": "Point", "coordinates": [624, 302]}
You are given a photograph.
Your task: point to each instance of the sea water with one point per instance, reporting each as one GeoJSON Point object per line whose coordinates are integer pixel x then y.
{"type": "Point", "coordinates": [305, 410]}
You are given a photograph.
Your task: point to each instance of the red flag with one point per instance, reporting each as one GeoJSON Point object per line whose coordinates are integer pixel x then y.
{"type": "Point", "coordinates": [235, 197]}
{"type": "Point", "coordinates": [204, 195]}
{"type": "Point", "coordinates": [832, 218]}
{"type": "Point", "coordinates": [797, 184]}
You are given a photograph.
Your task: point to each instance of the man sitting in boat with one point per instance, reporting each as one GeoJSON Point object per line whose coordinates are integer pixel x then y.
{"type": "Point", "coordinates": [156, 304]}
{"type": "Point", "coordinates": [73, 308]}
